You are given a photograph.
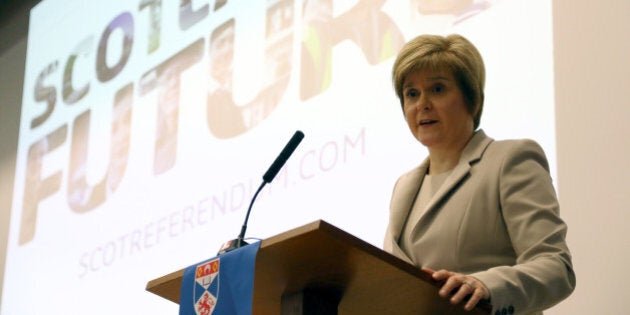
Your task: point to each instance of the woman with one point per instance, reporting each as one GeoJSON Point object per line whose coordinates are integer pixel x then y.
{"type": "Point", "coordinates": [483, 213]}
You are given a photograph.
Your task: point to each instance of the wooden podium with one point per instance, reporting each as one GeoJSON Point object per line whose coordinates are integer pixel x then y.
{"type": "Point", "coordinates": [320, 269]}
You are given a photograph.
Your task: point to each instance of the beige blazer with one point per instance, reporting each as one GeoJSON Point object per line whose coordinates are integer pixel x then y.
{"type": "Point", "coordinates": [496, 217]}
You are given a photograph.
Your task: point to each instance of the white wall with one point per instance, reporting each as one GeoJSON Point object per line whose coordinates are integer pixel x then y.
{"type": "Point", "coordinates": [592, 58]}
{"type": "Point", "coordinates": [592, 62]}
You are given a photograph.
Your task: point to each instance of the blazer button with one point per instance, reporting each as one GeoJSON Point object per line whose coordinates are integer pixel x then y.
{"type": "Point", "coordinates": [511, 309]}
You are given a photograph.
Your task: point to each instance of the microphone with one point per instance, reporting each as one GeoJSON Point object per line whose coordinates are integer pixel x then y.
{"type": "Point", "coordinates": [267, 178]}
{"type": "Point", "coordinates": [283, 157]}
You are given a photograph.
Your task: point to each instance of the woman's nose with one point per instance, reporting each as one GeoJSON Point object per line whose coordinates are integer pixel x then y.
{"type": "Point", "coordinates": [423, 104]}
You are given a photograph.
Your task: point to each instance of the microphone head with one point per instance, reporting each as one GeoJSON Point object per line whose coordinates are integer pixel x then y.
{"type": "Point", "coordinates": [283, 157]}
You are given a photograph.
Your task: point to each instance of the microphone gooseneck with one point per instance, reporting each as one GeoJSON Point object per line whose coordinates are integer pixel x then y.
{"type": "Point", "coordinates": [239, 241]}
{"type": "Point", "coordinates": [267, 178]}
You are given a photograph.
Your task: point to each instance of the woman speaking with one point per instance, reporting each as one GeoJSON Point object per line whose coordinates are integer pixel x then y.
{"type": "Point", "coordinates": [479, 214]}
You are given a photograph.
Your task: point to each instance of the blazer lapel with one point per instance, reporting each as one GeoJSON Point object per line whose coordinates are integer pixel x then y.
{"type": "Point", "coordinates": [401, 206]}
{"type": "Point", "coordinates": [471, 154]}
{"type": "Point", "coordinates": [409, 186]}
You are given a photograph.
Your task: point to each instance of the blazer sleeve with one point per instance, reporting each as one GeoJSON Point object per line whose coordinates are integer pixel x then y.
{"type": "Point", "coordinates": [543, 274]}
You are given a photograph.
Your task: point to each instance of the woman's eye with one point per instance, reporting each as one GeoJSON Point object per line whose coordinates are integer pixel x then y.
{"type": "Point", "coordinates": [438, 88]}
{"type": "Point", "coordinates": [412, 94]}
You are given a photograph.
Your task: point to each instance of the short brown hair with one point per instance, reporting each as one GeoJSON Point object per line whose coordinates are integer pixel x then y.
{"type": "Point", "coordinates": [454, 53]}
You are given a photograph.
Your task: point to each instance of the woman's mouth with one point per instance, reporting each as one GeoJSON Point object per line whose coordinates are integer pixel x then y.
{"type": "Point", "coordinates": [425, 122]}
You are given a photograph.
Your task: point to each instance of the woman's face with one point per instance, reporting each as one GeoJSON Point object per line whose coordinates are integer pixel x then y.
{"type": "Point", "coordinates": [435, 110]}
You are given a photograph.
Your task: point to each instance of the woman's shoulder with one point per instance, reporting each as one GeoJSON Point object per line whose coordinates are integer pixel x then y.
{"type": "Point", "coordinates": [516, 146]}
{"type": "Point", "coordinates": [481, 139]}
{"type": "Point", "coordinates": [482, 146]}
{"type": "Point", "coordinates": [515, 151]}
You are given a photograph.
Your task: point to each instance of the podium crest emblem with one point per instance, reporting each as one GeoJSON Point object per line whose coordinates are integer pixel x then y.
{"type": "Point", "coordinates": [206, 290]}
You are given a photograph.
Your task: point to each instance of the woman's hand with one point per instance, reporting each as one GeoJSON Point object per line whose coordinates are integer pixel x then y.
{"type": "Point", "coordinates": [462, 286]}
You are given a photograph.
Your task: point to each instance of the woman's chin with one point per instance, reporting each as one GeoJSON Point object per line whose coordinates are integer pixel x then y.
{"type": "Point", "coordinates": [427, 140]}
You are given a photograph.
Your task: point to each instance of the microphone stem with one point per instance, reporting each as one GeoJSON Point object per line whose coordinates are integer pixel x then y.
{"type": "Point", "coordinates": [241, 236]}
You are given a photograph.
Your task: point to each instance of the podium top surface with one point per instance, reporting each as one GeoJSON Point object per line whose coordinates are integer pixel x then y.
{"type": "Point", "coordinates": [318, 255]}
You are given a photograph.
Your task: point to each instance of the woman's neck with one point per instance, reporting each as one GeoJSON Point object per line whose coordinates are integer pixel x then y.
{"type": "Point", "coordinates": [445, 159]}
{"type": "Point", "coordinates": [442, 162]}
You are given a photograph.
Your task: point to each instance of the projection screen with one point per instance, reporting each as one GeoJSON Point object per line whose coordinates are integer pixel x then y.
{"type": "Point", "coordinates": [146, 127]}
